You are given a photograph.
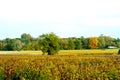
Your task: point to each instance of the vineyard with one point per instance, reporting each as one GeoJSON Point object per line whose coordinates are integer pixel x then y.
{"type": "Point", "coordinates": [60, 67]}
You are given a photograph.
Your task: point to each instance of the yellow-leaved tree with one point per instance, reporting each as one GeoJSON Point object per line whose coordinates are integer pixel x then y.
{"type": "Point", "coordinates": [93, 43]}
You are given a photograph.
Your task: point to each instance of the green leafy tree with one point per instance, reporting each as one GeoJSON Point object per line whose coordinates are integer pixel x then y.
{"type": "Point", "coordinates": [78, 44]}
{"type": "Point", "coordinates": [35, 44]}
{"type": "Point", "coordinates": [2, 45]}
{"type": "Point", "coordinates": [117, 42]}
{"type": "Point", "coordinates": [109, 41]}
{"type": "Point", "coordinates": [64, 44]}
{"type": "Point", "coordinates": [25, 36]}
{"type": "Point", "coordinates": [49, 43]}
{"type": "Point", "coordinates": [101, 42]}
{"type": "Point", "coordinates": [119, 51]}
{"type": "Point", "coordinates": [71, 45]}
{"type": "Point", "coordinates": [105, 41]}
{"type": "Point", "coordinates": [85, 42]}
{"type": "Point", "coordinates": [8, 45]}
{"type": "Point", "coordinates": [27, 41]}
{"type": "Point", "coordinates": [17, 45]}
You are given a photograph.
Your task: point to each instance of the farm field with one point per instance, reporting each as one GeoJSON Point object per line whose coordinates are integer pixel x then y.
{"type": "Point", "coordinates": [66, 52]}
{"type": "Point", "coordinates": [60, 67]}
{"type": "Point", "coordinates": [89, 52]}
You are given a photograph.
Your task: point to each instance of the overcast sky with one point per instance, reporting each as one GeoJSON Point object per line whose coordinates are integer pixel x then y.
{"type": "Point", "coordinates": [66, 18]}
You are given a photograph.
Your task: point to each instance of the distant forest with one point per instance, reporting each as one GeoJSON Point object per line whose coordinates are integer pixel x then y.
{"type": "Point", "coordinates": [27, 42]}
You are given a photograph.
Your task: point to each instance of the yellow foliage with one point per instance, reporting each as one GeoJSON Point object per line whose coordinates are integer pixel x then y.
{"type": "Point", "coordinates": [93, 43]}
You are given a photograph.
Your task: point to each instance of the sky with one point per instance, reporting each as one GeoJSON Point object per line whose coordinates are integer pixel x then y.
{"type": "Point", "coordinates": [66, 18]}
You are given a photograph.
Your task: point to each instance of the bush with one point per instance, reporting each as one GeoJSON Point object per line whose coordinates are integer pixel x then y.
{"type": "Point", "coordinates": [119, 51]}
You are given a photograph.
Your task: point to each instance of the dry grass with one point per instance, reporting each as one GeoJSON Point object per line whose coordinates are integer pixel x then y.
{"type": "Point", "coordinates": [21, 52]}
{"type": "Point", "coordinates": [89, 52]}
{"type": "Point", "coordinates": [65, 52]}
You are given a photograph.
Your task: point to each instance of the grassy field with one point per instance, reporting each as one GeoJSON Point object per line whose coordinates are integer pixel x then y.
{"type": "Point", "coordinates": [21, 52]}
{"type": "Point", "coordinates": [89, 52]}
{"type": "Point", "coordinates": [66, 52]}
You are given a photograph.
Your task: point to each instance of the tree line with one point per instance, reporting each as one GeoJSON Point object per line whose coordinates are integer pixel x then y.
{"type": "Point", "coordinates": [27, 42]}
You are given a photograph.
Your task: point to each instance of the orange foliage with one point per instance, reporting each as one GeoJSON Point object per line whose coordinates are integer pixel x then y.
{"type": "Point", "coordinates": [93, 43]}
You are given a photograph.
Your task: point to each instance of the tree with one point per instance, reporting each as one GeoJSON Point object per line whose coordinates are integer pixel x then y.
{"type": "Point", "coordinates": [63, 43]}
{"type": "Point", "coordinates": [26, 40]}
{"type": "Point", "coordinates": [117, 42]}
{"type": "Point", "coordinates": [105, 41]}
{"type": "Point", "coordinates": [85, 42]}
{"type": "Point", "coordinates": [101, 42]}
{"type": "Point", "coordinates": [93, 43]}
{"type": "Point", "coordinates": [2, 45]}
{"type": "Point", "coordinates": [119, 51]}
{"type": "Point", "coordinates": [17, 45]}
{"type": "Point", "coordinates": [25, 36]}
{"type": "Point", "coordinates": [109, 41]}
{"type": "Point", "coordinates": [49, 43]}
{"type": "Point", "coordinates": [71, 45]}
{"type": "Point", "coordinates": [78, 44]}
{"type": "Point", "coordinates": [8, 45]}
{"type": "Point", "coordinates": [35, 44]}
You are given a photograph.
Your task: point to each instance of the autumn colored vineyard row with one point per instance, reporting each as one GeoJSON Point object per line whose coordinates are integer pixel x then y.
{"type": "Point", "coordinates": [60, 67]}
